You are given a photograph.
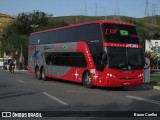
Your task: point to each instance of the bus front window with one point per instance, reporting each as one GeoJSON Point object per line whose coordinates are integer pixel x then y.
{"type": "Point", "coordinates": [124, 58]}
{"type": "Point", "coordinates": [120, 33]}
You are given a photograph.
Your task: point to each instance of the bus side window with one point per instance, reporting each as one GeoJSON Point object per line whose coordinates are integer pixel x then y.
{"type": "Point", "coordinates": [78, 60]}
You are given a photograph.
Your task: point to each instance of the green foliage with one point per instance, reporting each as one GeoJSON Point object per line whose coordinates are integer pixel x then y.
{"type": "Point", "coordinates": [14, 43]}
{"type": "Point", "coordinates": [155, 80]}
{"type": "Point", "coordinates": [53, 24]}
{"type": "Point", "coordinates": [43, 21]}
{"type": "Point", "coordinates": [25, 20]}
{"type": "Point", "coordinates": [2, 49]}
{"type": "Point", "coordinates": [153, 58]}
{"type": "Point", "coordinates": [142, 31]}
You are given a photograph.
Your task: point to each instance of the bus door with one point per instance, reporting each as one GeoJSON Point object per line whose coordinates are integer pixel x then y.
{"type": "Point", "coordinates": [96, 51]}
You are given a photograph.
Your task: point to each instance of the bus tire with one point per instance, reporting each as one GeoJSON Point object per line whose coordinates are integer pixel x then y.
{"type": "Point", "coordinates": [38, 74]}
{"type": "Point", "coordinates": [43, 74]}
{"type": "Point", "coordinates": [87, 82]}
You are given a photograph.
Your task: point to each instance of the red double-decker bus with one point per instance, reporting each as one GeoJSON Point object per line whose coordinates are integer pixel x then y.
{"type": "Point", "coordinates": [99, 53]}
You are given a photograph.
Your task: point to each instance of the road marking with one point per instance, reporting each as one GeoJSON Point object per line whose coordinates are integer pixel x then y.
{"type": "Point", "coordinates": [20, 80]}
{"type": "Point", "coordinates": [56, 99]}
{"type": "Point", "coordinates": [144, 99]}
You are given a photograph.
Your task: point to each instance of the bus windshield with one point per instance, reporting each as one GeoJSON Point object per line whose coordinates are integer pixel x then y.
{"type": "Point", "coordinates": [124, 58]}
{"type": "Point", "coordinates": [120, 33]}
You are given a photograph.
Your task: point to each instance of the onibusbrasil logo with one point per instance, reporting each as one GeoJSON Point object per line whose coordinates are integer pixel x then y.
{"type": "Point", "coordinates": [20, 114]}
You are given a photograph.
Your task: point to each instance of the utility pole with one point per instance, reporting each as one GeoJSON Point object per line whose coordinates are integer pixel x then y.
{"type": "Point", "coordinates": [146, 13]}
{"type": "Point", "coordinates": [117, 14]}
{"type": "Point", "coordinates": [104, 13]}
{"type": "Point", "coordinates": [151, 9]}
{"type": "Point", "coordinates": [153, 14]}
{"type": "Point", "coordinates": [85, 11]}
{"type": "Point", "coordinates": [96, 9]}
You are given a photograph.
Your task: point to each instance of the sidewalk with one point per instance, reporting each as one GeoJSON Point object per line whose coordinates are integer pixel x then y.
{"type": "Point", "coordinates": [155, 75]}
{"type": "Point", "coordinates": [17, 70]}
{"type": "Point", "coordinates": [20, 70]}
{"type": "Point", "coordinates": [156, 87]}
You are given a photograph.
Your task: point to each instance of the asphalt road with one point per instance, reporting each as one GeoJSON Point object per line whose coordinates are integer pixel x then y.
{"type": "Point", "coordinates": [23, 92]}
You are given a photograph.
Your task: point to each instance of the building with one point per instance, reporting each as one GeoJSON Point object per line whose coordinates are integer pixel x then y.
{"type": "Point", "coordinates": [4, 21]}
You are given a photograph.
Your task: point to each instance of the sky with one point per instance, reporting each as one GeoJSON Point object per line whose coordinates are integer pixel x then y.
{"type": "Point", "coordinates": [132, 8]}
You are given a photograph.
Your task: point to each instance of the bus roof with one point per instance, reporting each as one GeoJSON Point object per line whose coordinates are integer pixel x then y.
{"type": "Point", "coordinates": [85, 23]}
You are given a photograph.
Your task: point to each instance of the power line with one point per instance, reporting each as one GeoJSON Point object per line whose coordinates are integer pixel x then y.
{"type": "Point", "coordinates": [152, 10]}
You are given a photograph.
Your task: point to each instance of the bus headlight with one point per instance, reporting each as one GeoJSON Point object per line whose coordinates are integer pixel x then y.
{"type": "Point", "coordinates": [110, 75]}
{"type": "Point", "coordinates": [140, 75]}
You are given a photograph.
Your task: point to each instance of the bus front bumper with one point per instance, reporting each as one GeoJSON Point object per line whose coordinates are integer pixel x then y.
{"type": "Point", "coordinates": [113, 82]}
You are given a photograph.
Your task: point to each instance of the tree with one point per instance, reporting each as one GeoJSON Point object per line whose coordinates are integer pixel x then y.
{"type": "Point", "coordinates": [16, 46]}
{"type": "Point", "coordinates": [142, 32]}
{"type": "Point", "coordinates": [156, 35]}
{"type": "Point", "coordinates": [25, 20]}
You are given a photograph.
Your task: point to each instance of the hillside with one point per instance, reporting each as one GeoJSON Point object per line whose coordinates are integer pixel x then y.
{"type": "Point", "coordinates": [80, 19]}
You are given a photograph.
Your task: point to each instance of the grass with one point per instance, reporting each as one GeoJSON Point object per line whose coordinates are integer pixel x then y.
{"type": "Point", "coordinates": [154, 80]}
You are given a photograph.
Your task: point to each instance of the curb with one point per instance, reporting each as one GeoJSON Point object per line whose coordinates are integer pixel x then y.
{"type": "Point", "coordinates": [17, 70]}
{"type": "Point", "coordinates": [156, 87]}
{"type": "Point", "coordinates": [20, 70]}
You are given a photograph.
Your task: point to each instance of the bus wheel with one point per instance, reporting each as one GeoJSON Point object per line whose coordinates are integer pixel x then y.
{"type": "Point", "coordinates": [43, 74]}
{"type": "Point", "coordinates": [87, 80]}
{"type": "Point", "coordinates": [38, 74]}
